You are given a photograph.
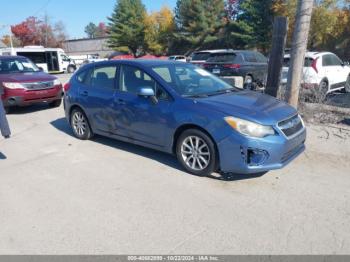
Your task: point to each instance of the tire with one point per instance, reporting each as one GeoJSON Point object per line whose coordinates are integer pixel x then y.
{"type": "Point", "coordinates": [248, 82]}
{"type": "Point", "coordinates": [321, 93]}
{"type": "Point", "coordinates": [347, 85]}
{"type": "Point", "coordinates": [80, 125]}
{"type": "Point", "coordinates": [196, 152]}
{"type": "Point", "coordinates": [56, 103]}
{"type": "Point", "coordinates": [70, 69]}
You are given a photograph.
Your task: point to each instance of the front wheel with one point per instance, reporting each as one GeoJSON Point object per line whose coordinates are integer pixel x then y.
{"type": "Point", "coordinates": [80, 124]}
{"type": "Point", "coordinates": [196, 152]}
{"type": "Point", "coordinates": [347, 85]}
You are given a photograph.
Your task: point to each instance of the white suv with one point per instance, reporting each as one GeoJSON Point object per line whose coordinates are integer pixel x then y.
{"type": "Point", "coordinates": [323, 71]}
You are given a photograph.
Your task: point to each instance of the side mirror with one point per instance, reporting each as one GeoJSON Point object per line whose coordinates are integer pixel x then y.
{"type": "Point", "coordinates": [148, 92]}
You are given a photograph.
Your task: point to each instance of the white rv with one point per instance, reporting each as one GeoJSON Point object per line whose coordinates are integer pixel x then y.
{"type": "Point", "coordinates": [51, 60]}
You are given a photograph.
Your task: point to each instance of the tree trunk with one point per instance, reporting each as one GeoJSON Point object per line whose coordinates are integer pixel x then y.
{"type": "Point", "coordinates": [299, 44]}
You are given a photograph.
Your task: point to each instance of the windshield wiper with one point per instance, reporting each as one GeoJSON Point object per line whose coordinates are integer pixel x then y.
{"type": "Point", "coordinates": [196, 96]}
{"type": "Point", "coordinates": [220, 92]}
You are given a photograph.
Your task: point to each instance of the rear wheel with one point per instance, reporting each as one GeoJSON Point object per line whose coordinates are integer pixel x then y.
{"type": "Point", "coordinates": [318, 93]}
{"type": "Point", "coordinates": [71, 69]}
{"type": "Point", "coordinates": [196, 152]}
{"type": "Point", "coordinates": [56, 103]}
{"type": "Point", "coordinates": [80, 124]}
{"type": "Point", "coordinates": [7, 109]}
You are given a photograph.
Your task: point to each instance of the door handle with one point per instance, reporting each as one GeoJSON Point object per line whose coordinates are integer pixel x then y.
{"type": "Point", "coordinates": [84, 93]}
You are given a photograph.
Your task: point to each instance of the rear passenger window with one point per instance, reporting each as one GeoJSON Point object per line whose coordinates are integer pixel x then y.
{"type": "Point", "coordinates": [104, 77]}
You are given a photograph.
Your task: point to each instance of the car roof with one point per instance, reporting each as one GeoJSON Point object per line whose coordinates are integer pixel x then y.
{"type": "Point", "coordinates": [138, 62]}
{"type": "Point", "coordinates": [311, 54]}
{"type": "Point", "coordinates": [10, 56]}
{"type": "Point", "coordinates": [229, 51]}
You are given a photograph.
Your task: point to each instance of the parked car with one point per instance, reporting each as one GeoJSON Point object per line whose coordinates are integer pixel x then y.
{"type": "Point", "coordinates": [24, 84]}
{"type": "Point", "coordinates": [200, 57]}
{"type": "Point", "coordinates": [323, 72]}
{"type": "Point", "coordinates": [250, 65]}
{"type": "Point", "coordinates": [179, 58]}
{"type": "Point", "coordinates": [182, 109]}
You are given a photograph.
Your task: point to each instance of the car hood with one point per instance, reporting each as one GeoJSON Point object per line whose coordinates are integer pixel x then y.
{"type": "Point", "coordinates": [251, 106]}
{"type": "Point", "coordinates": [26, 77]}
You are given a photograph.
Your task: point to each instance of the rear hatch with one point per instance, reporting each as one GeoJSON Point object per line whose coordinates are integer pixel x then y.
{"type": "Point", "coordinates": [223, 64]}
{"type": "Point", "coordinates": [310, 69]}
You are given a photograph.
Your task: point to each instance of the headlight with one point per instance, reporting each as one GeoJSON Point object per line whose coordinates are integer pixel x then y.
{"type": "Point", "coordinates": [248, 128]}
{"type": "Point", "coordinates": [10, 85]}
{"type": "Point", "coordinates": [56, 82]}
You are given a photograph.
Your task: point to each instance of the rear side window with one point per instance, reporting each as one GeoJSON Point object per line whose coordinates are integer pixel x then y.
{"type": "Point", "coordinates": [104, 77]}
{"type": "Point", "coordinates": [250, 57]}
{"type": "Point", "coordinates": [200, 56]}
{"type": "Point", "coordinates": [223, 58]}
{"type": "Point", "coordinates": [261, 58]}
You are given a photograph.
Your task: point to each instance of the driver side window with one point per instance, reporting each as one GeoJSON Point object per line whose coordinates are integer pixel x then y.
{"type": "Point", "coordinates": [133, 79]}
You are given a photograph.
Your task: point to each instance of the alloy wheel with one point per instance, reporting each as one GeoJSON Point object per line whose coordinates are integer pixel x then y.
{"type": "Point", "coordinates": [79, 123]}
{"type": "Point", "coordinates": [195, 153]}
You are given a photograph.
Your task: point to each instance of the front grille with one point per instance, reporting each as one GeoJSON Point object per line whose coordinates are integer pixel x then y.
{"type": "Point", "coordinates": [38, 85]}
{"type": "Point", "coordinates": [291, 126]}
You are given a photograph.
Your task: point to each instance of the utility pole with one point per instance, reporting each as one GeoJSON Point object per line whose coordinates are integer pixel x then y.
{"type": "Point", "coordinates": [280, 28]}
{"type": "Point", "coordinates": [299, 45]}
{"type": "Point", "coordinates": [46, 22]}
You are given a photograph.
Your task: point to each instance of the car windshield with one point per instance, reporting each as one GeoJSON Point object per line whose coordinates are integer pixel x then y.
{"type": "Point", "coordinates": [17, 65]}
{"type": "Point", "coordinates": [191, 81]}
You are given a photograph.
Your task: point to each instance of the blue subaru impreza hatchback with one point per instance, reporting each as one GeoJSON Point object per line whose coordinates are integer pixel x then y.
{"type": "Point", "coordinates": [182, 109]}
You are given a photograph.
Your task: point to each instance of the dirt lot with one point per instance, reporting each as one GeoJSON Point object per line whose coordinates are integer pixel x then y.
{"type": "Point", "coordinates": [59, 195]}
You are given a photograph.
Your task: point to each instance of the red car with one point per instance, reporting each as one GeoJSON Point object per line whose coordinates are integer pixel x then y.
{"type": "Point", "coordinates": [22, 83]}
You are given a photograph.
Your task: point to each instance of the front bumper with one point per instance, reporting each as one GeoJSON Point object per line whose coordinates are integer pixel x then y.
{"type": "Point", "coordinates": [243, 155]}
{"type": "Point", "coordinates": [24, 97]}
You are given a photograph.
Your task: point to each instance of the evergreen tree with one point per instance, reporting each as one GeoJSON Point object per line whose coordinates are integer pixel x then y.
{"type": "Point", "coordinates": [126, 27]}
{"type": "Point", "coordinates": [199, 22]}
{"type": "Point", "coordinates": [257, 15]}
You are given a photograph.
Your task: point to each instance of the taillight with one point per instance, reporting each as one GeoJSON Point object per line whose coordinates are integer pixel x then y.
{"type": "Point", "coordinates": [205, 65]}
{"type": "Point", "coordinates": [66, 87]}
{"type": "Point", "coordinates": [232, 66]}
{"type": "Point", "coordinates": [314, 65]}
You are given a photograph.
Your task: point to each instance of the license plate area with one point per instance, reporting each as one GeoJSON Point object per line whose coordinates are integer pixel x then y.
{"type": "Point", "coordinates": [216, 71]}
